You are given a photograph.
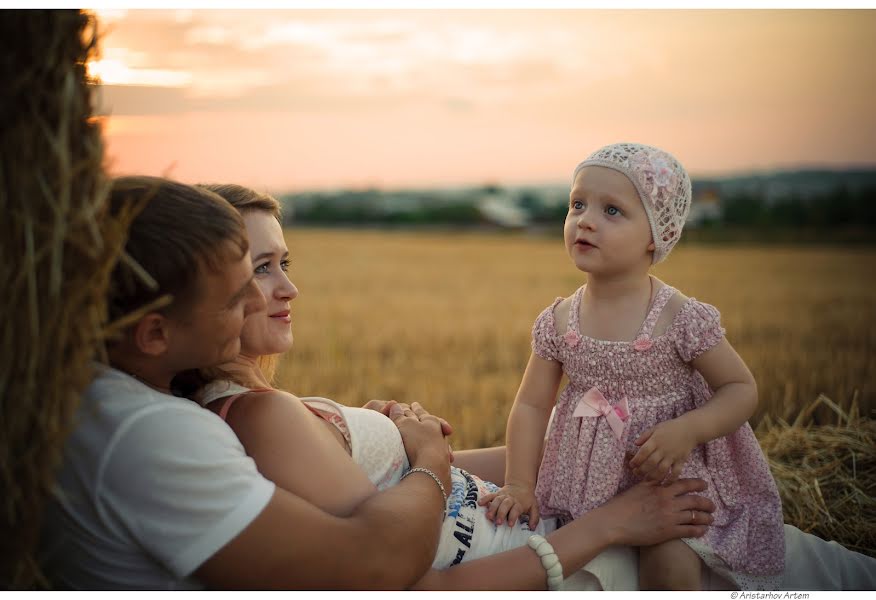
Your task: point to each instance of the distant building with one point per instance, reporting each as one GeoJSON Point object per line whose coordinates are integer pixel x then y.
{"type": "Point", "coordinates": [705, 207]}
{"type": "Point", "coordinates": [500, 208]}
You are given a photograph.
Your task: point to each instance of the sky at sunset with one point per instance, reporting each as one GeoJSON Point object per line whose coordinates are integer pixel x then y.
{"type": "Point", "coordinates": [310, 99]}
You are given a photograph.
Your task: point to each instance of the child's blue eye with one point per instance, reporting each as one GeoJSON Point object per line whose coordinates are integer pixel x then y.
{"type": "Point", "coordinates": [284, 265]}
{"type": "Point", "coordinates": [612, 211]}
{"type": "Point", "coordinates": [577, 205]}
{"type": "Point", "coordinates": [261, 269]}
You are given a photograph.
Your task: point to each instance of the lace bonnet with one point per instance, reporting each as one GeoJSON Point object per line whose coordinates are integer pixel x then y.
{"type": "Point", "coordinates": [661, 182]}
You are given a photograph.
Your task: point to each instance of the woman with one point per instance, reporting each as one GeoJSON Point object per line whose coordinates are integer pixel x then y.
{"type": "Point", "coordinates": [341, 470]}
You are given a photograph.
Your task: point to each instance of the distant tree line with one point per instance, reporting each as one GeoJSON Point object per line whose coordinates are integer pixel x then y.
{"type": "Point", "coordinates": [365, 207]}
{"type": "Point", "coordinates": [839, 207]}
{"type": "Point", "coordinates": [329, 213]}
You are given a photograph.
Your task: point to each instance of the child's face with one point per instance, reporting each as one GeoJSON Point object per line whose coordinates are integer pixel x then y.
{"type": "Point", "coordinates": [607, 230]}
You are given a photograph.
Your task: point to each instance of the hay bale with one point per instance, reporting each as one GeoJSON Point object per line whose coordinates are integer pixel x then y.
{"type": "Point", "coordinates": [57, 249]}
{"type": "Point", "coordinates": [826, 474]}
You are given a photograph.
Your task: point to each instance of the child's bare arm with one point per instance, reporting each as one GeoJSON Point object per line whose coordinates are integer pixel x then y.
{"type": "Point", "coordinates": [665, 448]}
{"type": "Point", "coordinates": [735, 399]}
{"type": "Point", "coordinates": [525, 438]}
{"type": "Point", "coordinates": [486, 463]}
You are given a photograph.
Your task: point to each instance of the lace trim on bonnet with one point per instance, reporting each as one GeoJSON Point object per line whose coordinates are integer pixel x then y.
{"type": "Point", "coordinates": [662, 183]}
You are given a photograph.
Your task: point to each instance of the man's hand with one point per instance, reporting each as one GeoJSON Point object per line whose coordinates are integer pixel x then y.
{"type": "Point", "coordinates": [649, 513]}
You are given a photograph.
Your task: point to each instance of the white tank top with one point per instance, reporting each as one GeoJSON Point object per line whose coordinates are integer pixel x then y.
{"type": "Point", "coordinates": [375, 442]}
{"type": "Point", "coordinates": [378, 449]}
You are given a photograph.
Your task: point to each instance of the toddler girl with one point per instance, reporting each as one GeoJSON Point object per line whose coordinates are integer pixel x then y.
{"type": "Point", "coordinates": [655, 390]}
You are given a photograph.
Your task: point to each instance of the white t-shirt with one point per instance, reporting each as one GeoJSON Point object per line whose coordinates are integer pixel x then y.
{"type": "Point", "coordinates": [150, 487]}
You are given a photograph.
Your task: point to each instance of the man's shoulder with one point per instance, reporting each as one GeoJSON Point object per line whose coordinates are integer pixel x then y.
{"type": "Point", "coordinates": [124, 426]}
{"type": "Point", "coordinates": [116, 406]}
{"type": "Point", "coordinates": [117, 396]}
{"type": "Point", "coordinates": [151, 486]}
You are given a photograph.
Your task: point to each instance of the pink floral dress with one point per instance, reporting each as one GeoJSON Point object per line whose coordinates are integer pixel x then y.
{"type": "Point", "coordinates": [584, 463]}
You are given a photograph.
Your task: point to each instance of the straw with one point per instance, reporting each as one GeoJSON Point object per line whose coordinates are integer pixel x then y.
{"type": "Point", "coordinates": [57, 250]}
{"type": "Point", "coordinates": [826, 474]}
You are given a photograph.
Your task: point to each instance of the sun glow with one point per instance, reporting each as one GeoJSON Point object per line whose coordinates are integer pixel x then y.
{"type": "Point", "coordinates": [113, 71]}
{"type": "Point", "coordinates": [321, 99]}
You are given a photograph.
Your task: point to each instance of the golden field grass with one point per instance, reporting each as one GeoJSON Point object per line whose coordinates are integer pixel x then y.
{"type": "Point", "coordinates": [445, 319]}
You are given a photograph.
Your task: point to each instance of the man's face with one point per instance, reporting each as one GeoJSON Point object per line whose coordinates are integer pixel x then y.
{"type": "Point", "coordinates": [209, 334]}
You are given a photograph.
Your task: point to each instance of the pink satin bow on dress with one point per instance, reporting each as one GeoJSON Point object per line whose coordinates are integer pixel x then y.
{"type": "Point", "coordinates": [594, 404]}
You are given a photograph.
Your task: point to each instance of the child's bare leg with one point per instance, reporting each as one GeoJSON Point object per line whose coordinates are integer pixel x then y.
{"type": "Point", "coordinates": [671, 565]}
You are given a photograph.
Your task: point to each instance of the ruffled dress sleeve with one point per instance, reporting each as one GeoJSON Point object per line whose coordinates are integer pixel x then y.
{"type": "Point", "coordinates": [545, 341]}
{"type": "Point", "coordinates": [697, 329]}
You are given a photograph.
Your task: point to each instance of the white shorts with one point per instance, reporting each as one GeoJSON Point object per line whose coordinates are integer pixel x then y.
{"type": "Point", "coordinates": [468, 534]}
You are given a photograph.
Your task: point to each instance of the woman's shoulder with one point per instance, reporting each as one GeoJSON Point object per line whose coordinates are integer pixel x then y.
{"type": "Point", "coordinates": [262, 405]}
{"type": "Point", "coordinates": [214, 391]}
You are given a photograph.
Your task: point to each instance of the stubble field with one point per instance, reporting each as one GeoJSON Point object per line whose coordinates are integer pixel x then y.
{"type": "Point", "coordinates": [445, 319]}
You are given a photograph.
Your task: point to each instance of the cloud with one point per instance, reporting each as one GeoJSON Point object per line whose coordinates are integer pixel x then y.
{"type": "Point", "coordinates": [232, 56]}
{"type": "Point", "coordinates": [140, 100]}
{"type": "Point", "coordinates": [732, 86]}
{"type": "Point", "coordinates": [460, 105]}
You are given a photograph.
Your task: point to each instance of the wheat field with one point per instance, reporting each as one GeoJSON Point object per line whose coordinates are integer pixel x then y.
{"type": "Point", "coordinates": [445, 318]}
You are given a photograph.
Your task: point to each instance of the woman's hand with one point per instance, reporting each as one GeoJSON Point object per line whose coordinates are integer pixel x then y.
{"type": "Point", "coordinates": [649, 513]}
{"type": "Point", "coordinates": [510, 502]}
{"type": "Point", "coordinates": [663, 451]}
{"type": "Point", "coordinates": [381, 406]}
{"type": "Point", "coordinates": [422, 435]}
{"type": "Point", "coordinates": [384, 406]}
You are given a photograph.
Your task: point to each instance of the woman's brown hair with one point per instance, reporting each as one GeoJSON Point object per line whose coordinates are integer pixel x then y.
{"type": "Point", "coordinates": [245, 200]}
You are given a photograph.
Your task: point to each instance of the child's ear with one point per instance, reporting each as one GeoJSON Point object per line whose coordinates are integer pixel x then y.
{"type": "Point", "coordinates": [652, 247]}
{"type": "Point", "coordinates": [150, 334]}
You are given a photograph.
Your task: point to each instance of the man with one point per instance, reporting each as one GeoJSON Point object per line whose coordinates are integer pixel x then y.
{"type": "Point", "coordinates": [156, 492]}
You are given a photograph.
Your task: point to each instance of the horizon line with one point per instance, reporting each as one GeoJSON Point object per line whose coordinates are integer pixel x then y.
{"type": "Point", "coordinates": [704, 176]}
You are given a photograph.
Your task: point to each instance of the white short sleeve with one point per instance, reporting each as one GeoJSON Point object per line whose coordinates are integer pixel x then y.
{"type": "Point", "coordinates": [179, 482]}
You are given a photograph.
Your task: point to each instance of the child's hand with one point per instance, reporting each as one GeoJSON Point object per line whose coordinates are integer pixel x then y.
{"type": "Point", "coordinates": [509, 503]}
{"type": "Point", "coordinates": [663, 451]}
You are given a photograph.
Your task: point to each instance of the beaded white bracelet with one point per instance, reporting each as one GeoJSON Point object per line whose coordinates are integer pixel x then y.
{"type": "Point", "coordinates": [433, 476]}
{"type": "Point", "coordinates": [549, 560]}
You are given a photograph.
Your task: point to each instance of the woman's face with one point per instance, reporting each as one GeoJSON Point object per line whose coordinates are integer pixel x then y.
{"type": "Point", "coordinates": [268, 331]}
